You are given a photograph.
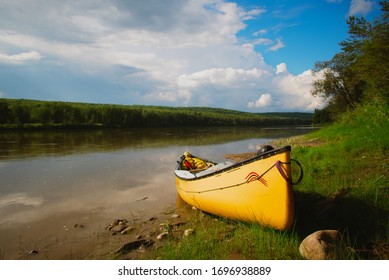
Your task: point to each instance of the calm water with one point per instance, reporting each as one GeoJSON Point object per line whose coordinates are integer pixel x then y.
{"type": "Point", "coordinates": [115, 172]}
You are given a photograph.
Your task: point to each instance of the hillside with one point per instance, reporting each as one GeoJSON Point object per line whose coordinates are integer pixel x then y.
{"type": "Point", "coordinates": [20, 113]}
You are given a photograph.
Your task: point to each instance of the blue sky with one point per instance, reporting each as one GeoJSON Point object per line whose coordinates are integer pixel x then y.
{"type": "Point", "coordinates": [245, 55]}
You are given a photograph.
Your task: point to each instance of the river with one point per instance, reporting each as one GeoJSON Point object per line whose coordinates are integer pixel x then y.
{"type": "Point", "coordinates": [52, 180]}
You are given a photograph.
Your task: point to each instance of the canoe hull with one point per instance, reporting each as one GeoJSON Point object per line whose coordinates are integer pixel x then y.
{"type": "Point", "coordinates": [257, 190]}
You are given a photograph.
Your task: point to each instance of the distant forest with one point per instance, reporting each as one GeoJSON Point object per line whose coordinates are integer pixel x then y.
{"type": "Point", "coordinates": [21, 113]}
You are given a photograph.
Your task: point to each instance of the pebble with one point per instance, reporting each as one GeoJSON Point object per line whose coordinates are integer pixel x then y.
{"type": "Point", "coordinates": [188, 232]}
{"type": "Point", "coordinates": [175, 216]}
{"type": "Point", "coordinates": [33, 252]}
{"type": "Point", "coordinates": [118, 228]}
{"type": "Point", "coordinates": [127, 230]}
{"type": "Point", "coordinates": [162, 235]}
{"type": "Point", "coordinates": [164, 227]}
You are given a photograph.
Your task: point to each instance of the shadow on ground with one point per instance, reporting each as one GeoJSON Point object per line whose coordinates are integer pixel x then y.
{"type": "Point", "coordinates": [364, 226]}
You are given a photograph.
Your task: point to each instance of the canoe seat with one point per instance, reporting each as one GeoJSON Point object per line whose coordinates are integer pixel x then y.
{"type": "Point", "coordinates": [215, 168]}
{"type": "Point", "coordinates": [191, 175]}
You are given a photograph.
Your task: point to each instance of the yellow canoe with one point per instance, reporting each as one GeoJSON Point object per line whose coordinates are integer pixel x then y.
{"type": "Point", "coordinates": [254, 190]}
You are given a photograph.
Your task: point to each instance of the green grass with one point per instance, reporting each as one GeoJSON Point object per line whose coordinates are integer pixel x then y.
{"type": "Point", "coordinates": [216, 238]}
{"type": "Point", "coordinates": [345, 187]}
{"type": "Point", "coordinates": [354, 157]}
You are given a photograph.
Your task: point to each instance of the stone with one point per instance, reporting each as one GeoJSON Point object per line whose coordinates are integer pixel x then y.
{"type": "Point", "coordinates": [118, 222]}
{"type": "Point", "coordinates": [127, 230]}
{"type": "Point", "coordinates": [320, 245]}
{"type": "Point", "coordinates": [188, 232]}
{"type": "Point", "coordinates": [163, 235]}
{"type": "Point", "coordinates": [175, 216]}
{"type": "Point", "coordinates": [118, 228]}
{"type": "Point", "coordinates": [133, 245]}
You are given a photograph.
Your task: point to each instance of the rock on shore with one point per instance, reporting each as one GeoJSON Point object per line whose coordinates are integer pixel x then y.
{"type": "Point", "coordinates": [320, 245]}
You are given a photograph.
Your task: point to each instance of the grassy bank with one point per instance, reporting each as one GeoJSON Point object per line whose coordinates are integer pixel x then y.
{"type": "Point", "coordinates": [346, 187]}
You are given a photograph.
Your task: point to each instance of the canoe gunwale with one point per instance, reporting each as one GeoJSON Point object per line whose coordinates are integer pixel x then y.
{"type": "Point", "coordinates": [240, 163]}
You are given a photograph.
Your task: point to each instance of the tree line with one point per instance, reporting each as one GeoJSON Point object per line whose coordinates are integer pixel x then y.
{"type": "Point", "coordinates": [359, 73]}
{"type": "Point", "coordinates": [21, 113]}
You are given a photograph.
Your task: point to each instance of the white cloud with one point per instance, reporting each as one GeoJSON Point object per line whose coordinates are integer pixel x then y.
{"type": "Point", "coordinates": [143, 36]}
{"type": "Point", "coordinates": [362, 7]}
{"type": "Point", "coordinates": [295, 91]}
{"type": "Point", "coordinates": [184, 53]}
{"type": "Point", "coordinates": [281, 68]}
{"type": "Point", "coordinates": [263, 41]}
{"type": "Point", "coordinates": [230, 77]}
{"type": "Point", "coordinates": [20, 58]}
{"type": "Point", "coordinates": [247, 15]}
{"type": "Point", "coordinates": [263, 101]}
{"type": "Point", "coordinates": [279, 45]}
{"type": "Point", "coordinates": [239, 87]}
{"type": "Point", "coordinates": [260, 32]}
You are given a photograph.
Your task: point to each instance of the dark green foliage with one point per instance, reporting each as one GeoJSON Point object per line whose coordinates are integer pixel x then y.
{"type": "Point", "coordinates": [45, 114]}
{"type": "Point", "coordinates": [359, 73]}
{"type": "Point", "coordinates": [321, 116]}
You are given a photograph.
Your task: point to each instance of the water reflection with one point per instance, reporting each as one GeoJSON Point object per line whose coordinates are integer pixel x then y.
{"type": "Point", "coordinates": [22, 144]}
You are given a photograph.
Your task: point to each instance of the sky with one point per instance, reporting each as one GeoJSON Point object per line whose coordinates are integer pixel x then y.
{"type": "Point", "coordinates": [246, 55]}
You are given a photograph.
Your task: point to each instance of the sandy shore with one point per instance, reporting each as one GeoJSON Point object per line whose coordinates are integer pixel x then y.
{"type": "Point", "coordinates": [73, 236]}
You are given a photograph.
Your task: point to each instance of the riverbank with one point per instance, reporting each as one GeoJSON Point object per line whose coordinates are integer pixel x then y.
{"type": "Point", "coordinates": [182, 232]}
{"type": "Point", "coordinates": [345, 187]}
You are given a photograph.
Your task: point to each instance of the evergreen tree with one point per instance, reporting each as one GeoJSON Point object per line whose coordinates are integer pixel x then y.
{"type": "Point", "coordinates": [360, 72]}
